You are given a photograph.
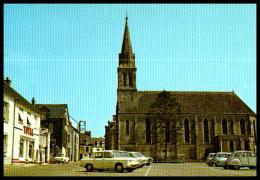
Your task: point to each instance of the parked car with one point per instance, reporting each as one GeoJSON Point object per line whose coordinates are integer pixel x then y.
{"type": "Point", "coordinates": [110, 159]}
{"type": "Point", "coordinates": [210, 158]}
{"type": "Point", "coordinates": [220, 158]}
{"type": "Point", "coordinates": [60, 158]}
{"type": "Point", "coordinates": [241, 159]}
{"type": "Point", "coordinates": [144, 160]}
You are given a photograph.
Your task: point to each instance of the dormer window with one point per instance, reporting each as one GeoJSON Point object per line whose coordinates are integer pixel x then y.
{"type": "Point", "coordinates": [20, 120]}
{"type": "Point", "coordinates": [28, 121]}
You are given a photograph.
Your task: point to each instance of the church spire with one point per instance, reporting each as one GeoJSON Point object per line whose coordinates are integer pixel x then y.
{"type": "Point", "coordinates": [126, 46]}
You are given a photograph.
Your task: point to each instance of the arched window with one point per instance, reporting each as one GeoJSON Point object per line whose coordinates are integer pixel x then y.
{"type": "Point", "coordinates": [231, 127]}
{"type": "Point", "coordinates": [206, 131]}
{"type": "Point", "coordinates": [187, 131]}
{"type": "Point", "coordinates": [249, 127]}
{"type": "Point", "coordinates": [247, 147]}
{"type": "Point", "coordinates": [242, 126]}
{"type": "Point", "coordinates": [231, 144]}
{"type": "Point", "coordinates": [193, 132]}
{"type": "Point", "coordinates": [127, 127]}
{"type": "Point", "coordinates": [224, 126]}
{"type": "Point", "coordinates": [148, 130]}
{"type": "Point", "coordinates": [130, 79]}
{"type": "Point", "coordinates": [124, 78]}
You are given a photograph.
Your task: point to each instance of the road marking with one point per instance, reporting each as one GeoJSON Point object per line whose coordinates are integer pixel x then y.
{"type": "Point", "coordinates": [148, 170]}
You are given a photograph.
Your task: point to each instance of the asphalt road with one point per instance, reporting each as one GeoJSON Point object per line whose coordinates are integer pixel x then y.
{"type": "Point", "coordinates": [156, 169]}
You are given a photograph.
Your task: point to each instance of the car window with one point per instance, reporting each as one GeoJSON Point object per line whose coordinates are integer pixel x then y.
{"type": "Point", "coordinates": [108, 155]}
{"type": "Point", "coordinates": [244, 155]}
{"type": "Point", "coordinates": [98, 154]}
{"type": "Point", "coordinates": [237, 155]}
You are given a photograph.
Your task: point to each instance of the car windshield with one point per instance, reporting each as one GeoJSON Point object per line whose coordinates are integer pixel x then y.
{"type": "Point", "coordinates": [222, 155]}
{"type": "Point", "coordinates": [136, 154]}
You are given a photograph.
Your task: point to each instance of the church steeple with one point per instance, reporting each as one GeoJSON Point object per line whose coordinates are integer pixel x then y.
{"type": "Point", "coordinates": [126, 46]}
{"type": "Point", "coordinates": [126, 69]}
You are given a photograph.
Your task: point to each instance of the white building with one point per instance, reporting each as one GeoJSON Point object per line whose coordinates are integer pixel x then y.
{"type": "Point", "coordinates": [73, 143]}
{"type": "Point", "coordinates": [21, 127]}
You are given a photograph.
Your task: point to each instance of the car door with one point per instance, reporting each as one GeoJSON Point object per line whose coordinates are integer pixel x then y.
{"type": "Point", "coordinates": [108, 160]}
{"type": "Point", "coordinates": [98, 160]}
{"type": "Point", "coordinates": [244, 159]}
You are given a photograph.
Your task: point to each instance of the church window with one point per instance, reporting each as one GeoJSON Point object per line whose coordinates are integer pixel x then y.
{"type": "Point", "coordinates": [206, 131]}
{"type": "Point", "coordinates": [127, 127]}
{"type": "Point", "coordinates": [192, 133]}
{"type": "Point", "coordinates": [130, 79]}
{"type": "Point", "coordinates": [187, 131]}
{"type": "Point", "coordinates": [242, 126]}
{"type": "Point", "coordinates": [231, 144]}
{"type": "Point", "coordinates": [249, 127]}
{"type": "Point", "coordinates": [124, 78]}
{"type": "Point", "coordinates": [148, 131]}
{"type": "Point", "coordinates": [212, 131]}
{"type": "Point", "coordinates": [224, 126]}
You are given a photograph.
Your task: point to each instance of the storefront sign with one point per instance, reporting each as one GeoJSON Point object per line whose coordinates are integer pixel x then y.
{"type": "Point", "coordinates": [27, 130]}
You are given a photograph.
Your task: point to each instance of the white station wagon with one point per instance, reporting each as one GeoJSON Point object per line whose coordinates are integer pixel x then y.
{"type": "Point", "coordinates": [110, 159]}
{"type": "Point", "coordinates": [241, 159]}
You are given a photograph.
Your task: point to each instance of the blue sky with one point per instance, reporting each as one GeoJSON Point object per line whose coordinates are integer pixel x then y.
{"type": "Point", "coordinates": [68, 53]}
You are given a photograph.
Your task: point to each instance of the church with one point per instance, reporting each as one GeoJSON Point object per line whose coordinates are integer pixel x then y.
{"type": "Point", "coordinates": [205, 122]}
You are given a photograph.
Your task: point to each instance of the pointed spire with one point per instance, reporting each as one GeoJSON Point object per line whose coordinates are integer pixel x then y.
{"type": "Point", "coordinates": [126, 46]}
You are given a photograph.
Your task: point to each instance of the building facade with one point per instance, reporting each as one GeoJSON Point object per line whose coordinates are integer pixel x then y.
{"type": "Point", "coordinates": [206, 121]}
{"type": "Point", "coordinates": [73, 143]}
{"type": "Point", "coordinates": [56, 120]}
{"type": "Point", "coordinates": [21, 128]}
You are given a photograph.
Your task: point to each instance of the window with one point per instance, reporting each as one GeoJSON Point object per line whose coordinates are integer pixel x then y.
{"type": "Point", "coordinates": [86, 149]}
{"type": "Point", "coordinates": [5, 145]}
{"type": "Point", "coordinates": [130, 79]}
{"type": "Point", "coordinates": [31, 148]}
{"type": "Point", "coordinates": [231, 127]}
{"type": "Point", "coordinates": [28, 121]}
{"type": "Point", "coordinates": [231, 144]}
{"type": "Point", "coordinates": [224, 126]}
{"type": "Point", "coordinates": [124, 78]}
{"type": "Point", "coordinates": [206, 131]}
{"type": "Point", "coordinates": [148, 130]}
{"type": "Point", "coordinates": [21, 150]}
{"type": "Point", "coordinates": [187, 131]}
{"type": "Point", "coordinates": [107, 155]}
{"type": "Point", "coordinates": [193, 132]}
{"type": "Point", "coordinates": [167, 131]}
{"type": "Point", "coordinates": [20, 120]}
{"type": "Point", "coordinates": [127, 127]}
{"type": "Point", "coordinates": [242, 126]}
{"type": "Point", "coordinates": [98, 154]}
{"type": "Point", "coordinates": [68, 138]}
{"type": "Point", "coordinates": [249, 127]}
{"type": "Point", "coordinates": [6, 111]}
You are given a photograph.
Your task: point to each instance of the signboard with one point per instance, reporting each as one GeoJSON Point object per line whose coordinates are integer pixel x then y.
{"type": "Point", "coordinates": [28, 131]}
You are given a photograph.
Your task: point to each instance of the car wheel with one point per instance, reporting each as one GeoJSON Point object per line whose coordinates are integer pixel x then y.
{"type": "Point", "coordinates": [236, 167]}
{"type": "Point", "coordinates": [89, 168]}
{"type": "Point", "coordinates": [210, 164]}
{"type": "Point", "coordinates": [130, 169]}
{"type": "Point", "coordinates": [119, 168]}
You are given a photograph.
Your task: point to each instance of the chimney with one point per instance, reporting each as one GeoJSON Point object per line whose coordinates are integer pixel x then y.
{"type": "Point", "coordinates": [8, 81]}
{"type": "Point", "coordinates": [33, 101]}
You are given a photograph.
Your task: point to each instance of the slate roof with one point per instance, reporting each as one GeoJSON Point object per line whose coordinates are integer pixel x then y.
{"type": "Point", "coordinates": [21, 100]}
{"type": "Point", "coordinates": [199, 102]}
{"type": "Point", "coordinates": [55, 110]}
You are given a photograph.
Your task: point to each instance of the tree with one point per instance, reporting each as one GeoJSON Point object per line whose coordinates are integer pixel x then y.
{"type": "Point", "coordinates": [164, 113]}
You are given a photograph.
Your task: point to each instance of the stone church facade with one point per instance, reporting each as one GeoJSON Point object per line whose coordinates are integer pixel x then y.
{"type": "Point", "coordinates": [209, 121]}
